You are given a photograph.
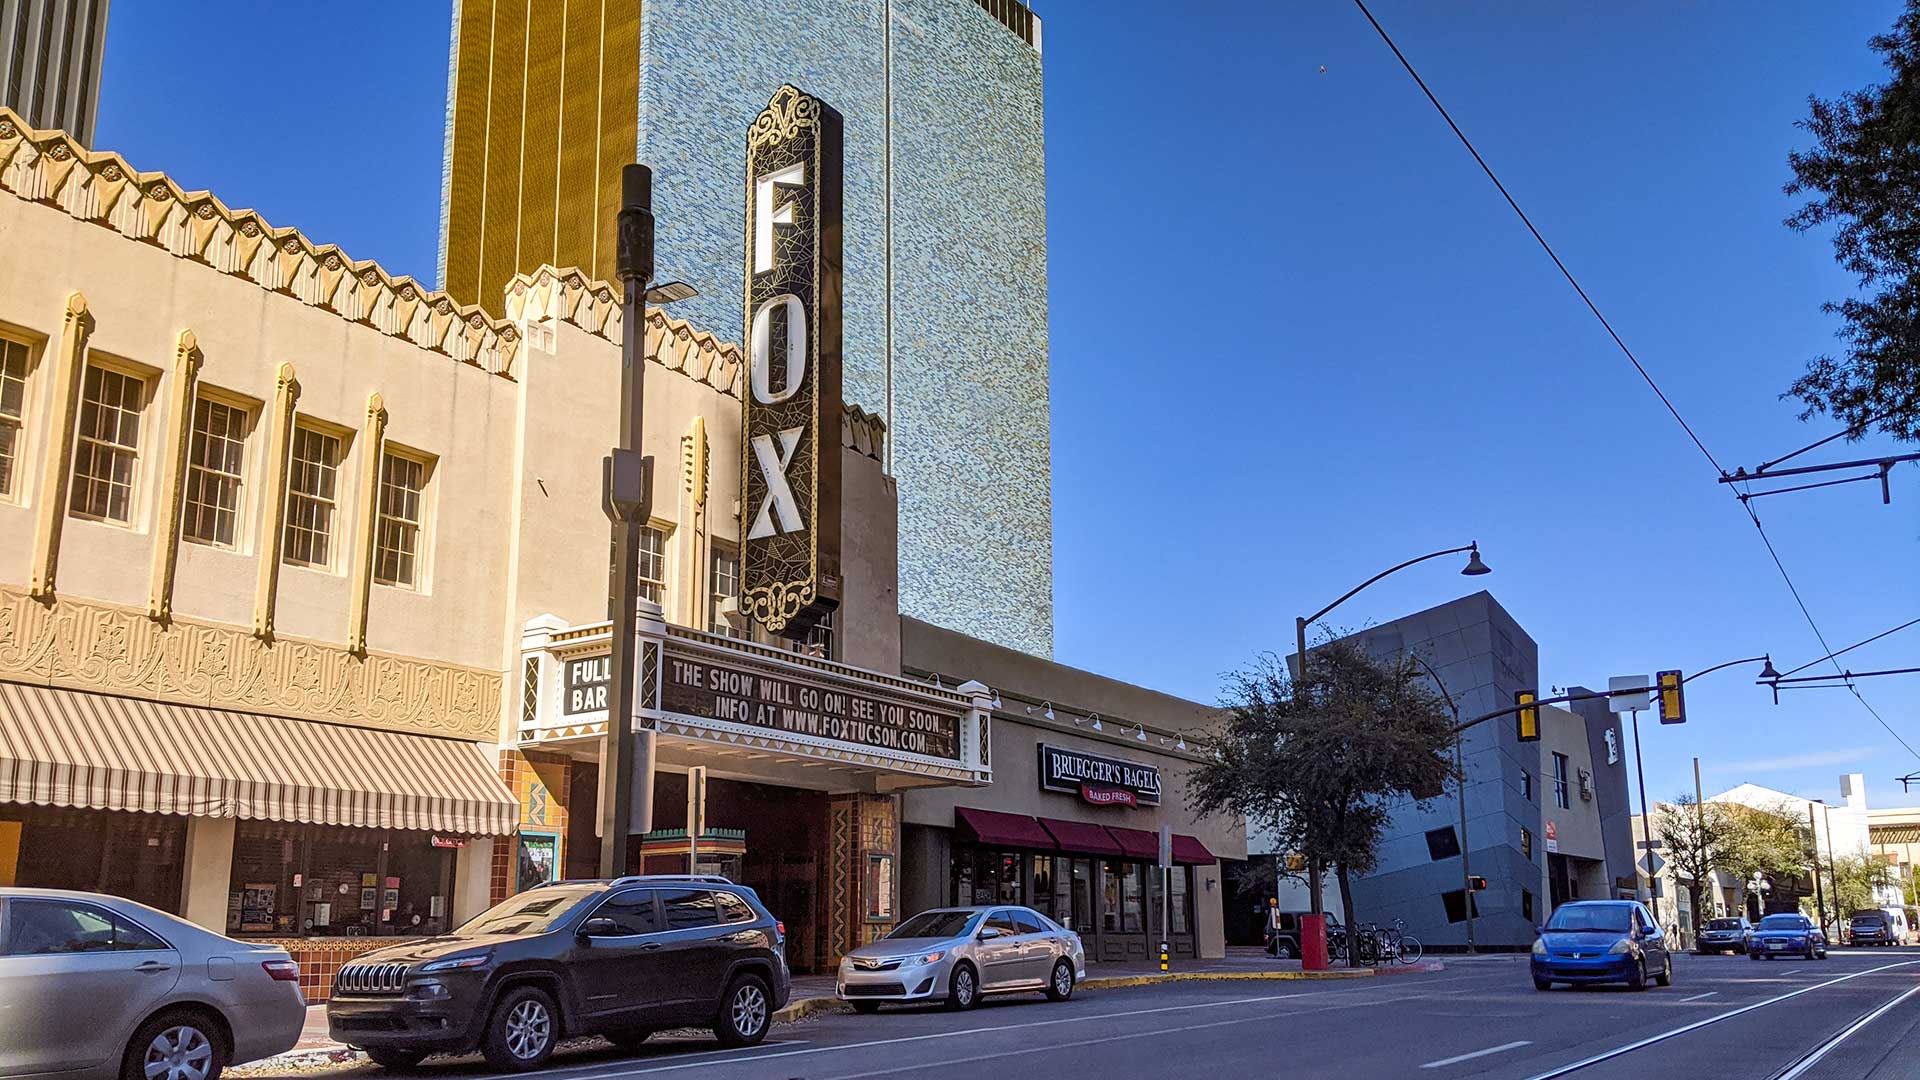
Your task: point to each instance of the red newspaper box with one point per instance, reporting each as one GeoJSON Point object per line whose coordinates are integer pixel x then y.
{"type": "Point", "coordinates": [1313, 942]}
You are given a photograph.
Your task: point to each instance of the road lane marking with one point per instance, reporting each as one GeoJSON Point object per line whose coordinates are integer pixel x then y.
{"type": "Point", "coordinates": [1697, 997]}
{"type": "Point", "coordinates": [1458, 1058]}
{"type": "Point", "coordinates": [1826, 1048]}
{"type": "Point", "coordinates": [1697, 1024]}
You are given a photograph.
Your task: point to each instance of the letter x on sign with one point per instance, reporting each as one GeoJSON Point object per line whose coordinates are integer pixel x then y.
{"type": "Point", "coordinates": [779, 503]}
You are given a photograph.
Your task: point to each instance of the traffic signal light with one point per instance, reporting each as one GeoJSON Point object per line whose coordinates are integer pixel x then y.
{"type": "Point", "coordinates": [1673, 697]}
{"type": "Point", "coordinates": [1479, 883]}
{"type": "Point", "coordinates": [1529, 716]}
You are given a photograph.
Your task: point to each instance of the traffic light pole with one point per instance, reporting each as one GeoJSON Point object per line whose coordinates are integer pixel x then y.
{"type": "Point", "coordinates": [1646, 822]}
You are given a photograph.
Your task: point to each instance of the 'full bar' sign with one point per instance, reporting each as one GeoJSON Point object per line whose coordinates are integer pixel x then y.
{"type": "Point", "coordinates": [696, 686]}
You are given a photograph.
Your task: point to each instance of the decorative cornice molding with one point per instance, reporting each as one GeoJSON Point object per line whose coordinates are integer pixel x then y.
{"type": "Point", "coordinates": [863, 431]}
{"type": "Point", "coordinates": [568, 295]}
{"type": "Point", "coordinates": [108, 649]}
{"type": "Point", "coordinates": [52, 169]}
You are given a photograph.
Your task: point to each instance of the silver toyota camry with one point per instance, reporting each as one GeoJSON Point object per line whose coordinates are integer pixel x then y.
{"type": "Point", "coordinates": [96, 987]}
{"type": "Point", "coordinates": [958, 955]}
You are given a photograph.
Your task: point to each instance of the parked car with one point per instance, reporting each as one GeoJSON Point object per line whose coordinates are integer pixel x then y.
{"type": "Point", "coordinates": [1725, 935]}
{"type": "Point", "coordinates": [1286, 943]}
{"type": "Point", "coordinates": [96, 987]}
{"type": "Point", "coordinates": [1787, 934]}
{"type": "Point", "coordinates": [1871, 928]}
{"type": "Point", "coordinates": [957, 955]}
{"type": "Point", "coordinates": [1589, 941]}
{"type": "Point", "coordinates": [622, 959]}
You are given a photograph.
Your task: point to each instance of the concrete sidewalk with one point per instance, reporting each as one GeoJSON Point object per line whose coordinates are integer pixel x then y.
{"type": "Point", "coordinates": [814, 994]}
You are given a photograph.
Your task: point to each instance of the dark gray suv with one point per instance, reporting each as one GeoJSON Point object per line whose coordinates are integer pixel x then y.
{"type": "Point", "coordinates": [621, 959]}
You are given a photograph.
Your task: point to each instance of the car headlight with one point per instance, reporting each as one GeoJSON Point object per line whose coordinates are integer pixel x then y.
{"type": "Point", "coordinates": [929, 958]}
{"type": "Point", "coordinates": [456, 963]}
{"type": "Point", "coordinates": [1624, 945]}
{"type": "Point", "coordinates": [1539, 946]}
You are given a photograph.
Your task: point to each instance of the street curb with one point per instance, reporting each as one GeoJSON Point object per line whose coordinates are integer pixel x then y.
{"type": "Point", "coordinates": [805, 1007]}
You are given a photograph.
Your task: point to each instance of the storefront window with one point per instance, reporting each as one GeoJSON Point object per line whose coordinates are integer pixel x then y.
{"type": "Point", "coordinates": [319, 881]}
{"type": "Point", "coordinates": [1132, 896]}
{"type": "Point", "coordinates": [138, 856]}
{"type": "Point", "coordinates": [1181, 877]}
{"type": "Point", "coordinates": [1082, 896]}
{"type": "Point", "coordinates": [1043, 892]}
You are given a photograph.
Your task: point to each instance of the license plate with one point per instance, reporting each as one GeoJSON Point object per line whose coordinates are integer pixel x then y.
{"type": "Point", "coordinates": [1776, 944]}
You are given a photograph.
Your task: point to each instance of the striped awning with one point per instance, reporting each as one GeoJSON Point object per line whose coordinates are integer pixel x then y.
{"type": "Point", "coordinates": [1894, 834]}
{"type": "Point", "coordinates": [95, 751]}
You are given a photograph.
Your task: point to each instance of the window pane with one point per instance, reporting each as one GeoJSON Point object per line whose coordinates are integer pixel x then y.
{"type": "Point", "coordinates": [725, 586]}
{"type": "Point", "coordinates": [1181, 875]}
{"type": "Point", "coordinates": [689, 909]}
{"type": "Point", "coordinates": [1027, 923]}
{"type": "Point", "coordinates": [130, 938]}
{"type": "Point", "coordinates": [108, 445]}
{"type": "Point", "coordinates": [40, 927]}
{"type": "Point", "coordinates": [733, 909]}
{"type": "Point", "coordinates": [396, 540]}
{"type": "Point", "coordinates": [13, 392]}
{"type": "Point", "coordinates": [1002, 920]}
{"type": "Point", "coordinates": [213, 474]}
{"type": "Point", "coordinates": [1132, 898]}
{"type": "Point", "coordinates": [653, 563]}
{"type": "Point", "coordinates": [632, 912]}
{"type": "Point", "coordinates": [310, 498]}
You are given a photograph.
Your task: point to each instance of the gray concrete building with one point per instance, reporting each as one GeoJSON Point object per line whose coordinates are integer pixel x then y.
{"type": "Point", "coordinates": [50, 54]}
{"type": "Point", "coordinates": [945, 244]}
{"type": "Point", "coordinates": [1514, 791]}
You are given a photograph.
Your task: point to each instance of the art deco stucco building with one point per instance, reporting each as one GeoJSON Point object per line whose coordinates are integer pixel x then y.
{"type": "Point", "coordinates": [303, 619]}
{"type": "Point", "coordinates": [945, 242]}
{"type": "Point", "coordinates": [50, 57]}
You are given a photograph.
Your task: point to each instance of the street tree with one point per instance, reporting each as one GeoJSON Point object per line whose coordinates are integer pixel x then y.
{"type": "Point", "coordinates": [1768, 841]}
{"type": "Point", "coordinates": [1324, 760]}
{"type": "Point", "coordinates": [1859, 177]}
{"type": "Point", "coordinates": [1852, 881]}
{"type": "Point", "coordinates": [1698, 838]}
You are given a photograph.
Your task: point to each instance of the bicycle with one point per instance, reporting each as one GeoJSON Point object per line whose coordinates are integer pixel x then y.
{"type": "Point", "coordinates": [1399, 945]}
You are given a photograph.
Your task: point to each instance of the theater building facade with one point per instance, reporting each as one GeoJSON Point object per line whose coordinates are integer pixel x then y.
{"type": "Point", "coordinates": [303, 618]}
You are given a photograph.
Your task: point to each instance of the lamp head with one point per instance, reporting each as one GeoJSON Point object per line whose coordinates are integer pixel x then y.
{"type": "Point", "coordinates": [1767, 672]}
{"type": "Point", "coordinates": [1475, 567]}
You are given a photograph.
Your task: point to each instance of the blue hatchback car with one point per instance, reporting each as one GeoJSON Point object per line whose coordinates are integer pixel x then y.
{"type": "Point", "coordinates": [1591, 941]}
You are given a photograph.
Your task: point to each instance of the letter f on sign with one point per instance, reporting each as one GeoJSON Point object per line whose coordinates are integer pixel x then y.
{"type": "Point", "coordinates": [779, 502]}
{"type": "Point", "coordinates": [766, 215]}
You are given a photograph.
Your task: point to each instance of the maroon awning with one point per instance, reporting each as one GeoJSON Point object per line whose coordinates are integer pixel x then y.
{"type": "Point", "coordinates": [1081, 838]}
{"type": "Point", "coordinates": [1189, 851]}
{"type": "Point", "coordinates": [995, 829]}
{"type": "Point", "coordinates": [1136, 843]}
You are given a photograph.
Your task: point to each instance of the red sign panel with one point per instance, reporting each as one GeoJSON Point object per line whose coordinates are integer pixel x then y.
{"type": "Point", "coordinates": [1107, 796]}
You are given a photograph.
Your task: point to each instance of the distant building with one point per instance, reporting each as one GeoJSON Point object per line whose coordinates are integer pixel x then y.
{"type": "Point", "coordinates": [50, 53]}
{"type": "Point", "coordinates": [1546, 821]}
{"type": "Point", "coordinates": [945, 315]}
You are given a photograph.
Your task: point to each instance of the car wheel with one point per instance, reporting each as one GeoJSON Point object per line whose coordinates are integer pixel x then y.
{"type": "Point", "coordinates": [1638, 979]}
{"type": "Point", "coordinates": [1287, 951]}
{"type": "Point", "coordinates": [963, 991]}
{"type": "Point", "coordinates": [629, 1039]}
{"type": "Point", "coordinates": [179, 1045]}
{"type": "Point", "coordinates": [522, 1031]}
{"type": "Point", "coordinates": [1753, 956]}
{"type": "Point", "coordinates": [867, 1008]}
{"type": "Point", "coordinates": [1060, 986]}
{"type": "Point", "coordinates": [745, 1012]}
{"type": "Point", "coordinates": [1665, 978]}
{"type": "Point", "coordinates": [1542, 984]}
{"type": "Point", "coordinates": [394, 1058]}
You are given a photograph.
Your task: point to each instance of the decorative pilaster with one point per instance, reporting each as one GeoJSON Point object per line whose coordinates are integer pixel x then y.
{"type": "Point", "coordinates": [173, 471]}
{"type": "Point", "coordinates": [67, 369]}
{"type": "Point", "coordinates": [693, 532]}
{"type": "Point", "coordinates": [373, 441]}
{"type": "Point", "coordinates": [286, 392]}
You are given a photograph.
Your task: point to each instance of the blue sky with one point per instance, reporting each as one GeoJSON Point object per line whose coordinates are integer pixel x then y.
{"type": "Point", "coordinates": [1297, 337]}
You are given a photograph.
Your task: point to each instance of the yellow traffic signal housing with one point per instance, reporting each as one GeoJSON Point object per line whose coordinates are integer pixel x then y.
{"type": "Point", "coordinates": [1673, 697]}
{"type": "Point", "coordinates": [1529, 716]}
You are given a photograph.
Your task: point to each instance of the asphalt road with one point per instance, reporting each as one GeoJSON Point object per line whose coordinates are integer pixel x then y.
{"type": "Point", "coordinates": [1724, 1016]}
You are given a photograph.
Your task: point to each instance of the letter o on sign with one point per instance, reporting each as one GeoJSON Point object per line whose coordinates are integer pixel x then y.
{"type": "Point", "coordinates": [796, 349]}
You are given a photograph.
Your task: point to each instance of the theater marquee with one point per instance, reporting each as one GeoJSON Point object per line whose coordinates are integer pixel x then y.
{"type": "Point", "coordinates": [713, 689]}
{"type": "Point", "coordinates": [790, 430]}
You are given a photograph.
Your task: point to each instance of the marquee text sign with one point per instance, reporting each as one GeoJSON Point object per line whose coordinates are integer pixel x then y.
{"type": "Point", "coordinates": [700, 686]}
{"type": "Point", "coordinates": [790, 430]}
{"type": "Point", "coordinates": [588, 680]}
{"type": "Point", "coordinates": [1103, 781]}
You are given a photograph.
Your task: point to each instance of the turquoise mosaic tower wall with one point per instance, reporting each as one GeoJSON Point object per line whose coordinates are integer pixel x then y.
{"type": "Point", "coordinates": [964, 389]}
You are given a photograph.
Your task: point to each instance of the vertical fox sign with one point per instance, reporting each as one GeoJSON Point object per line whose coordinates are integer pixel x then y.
{"type": "Point", "coordinates": [790, 430]}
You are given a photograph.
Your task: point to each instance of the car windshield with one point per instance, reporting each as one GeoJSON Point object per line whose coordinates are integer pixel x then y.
{"type": "Point", "coordinates": [533, 912]}
{"type": "Point", "coordinates": [1724, 924]}
{"type": "Point", "coordinates": [1859, 919]}
{"type": "Point", "coordinates": [936, 924]}
{"type": "Point", "coordinates": [1611, 918]}
{"type": "Point", "coordinates": [1783, 922]}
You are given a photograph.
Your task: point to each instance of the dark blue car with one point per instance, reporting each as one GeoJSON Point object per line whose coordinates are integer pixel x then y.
{"type": "Point", "coordinates": [1787, 934]}
{"type": "Point", "coordinates": [1591, 941]}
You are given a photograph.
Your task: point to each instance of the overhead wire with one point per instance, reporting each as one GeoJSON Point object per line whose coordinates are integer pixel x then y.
{"type": "Point", "coordinates": [1629, 354]}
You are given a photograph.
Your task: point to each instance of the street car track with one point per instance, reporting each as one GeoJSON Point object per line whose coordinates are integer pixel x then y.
{"type": "Point", "coordinates": [1813, 1057]}
{"type": "Point", "coordinates": [1640, 1044]}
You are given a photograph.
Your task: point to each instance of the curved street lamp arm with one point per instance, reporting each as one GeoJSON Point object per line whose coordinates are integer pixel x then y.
{"type": "Point", "coordinates": [1315, 617]}
{"type": "Point", "coordinates": [1728, 664]}
{"type": "Point", "coordinates": [1437, 681]}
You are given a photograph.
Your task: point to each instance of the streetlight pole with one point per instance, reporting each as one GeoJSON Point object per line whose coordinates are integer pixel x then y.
{"type": "Point", "coordinates": [627, 492]}
{"type": "Point", "coordinates": [1460, 782]}
{"type": "Point", "coordinates": [1646, 820]}
{"type": "Point", "coordinates": [1819, 893]}
{"type": "Point", "coordinates": [1474, 568]}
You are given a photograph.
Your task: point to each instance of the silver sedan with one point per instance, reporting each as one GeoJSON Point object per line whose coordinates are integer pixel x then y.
{"type": "Point", "coordinates": [958, 955]}
{"type": "Point", "coordinates": [96, 987]}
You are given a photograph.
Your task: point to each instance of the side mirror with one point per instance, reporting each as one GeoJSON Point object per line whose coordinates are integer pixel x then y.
{"type": "Point", "coordinates": [1539, 931]}
{"type": "Point", "coordinates": [600, 927]}
{"type": "Point", "coordinates": [988, 933]}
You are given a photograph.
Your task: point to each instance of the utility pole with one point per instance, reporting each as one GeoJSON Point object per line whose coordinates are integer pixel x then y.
{"type": "Point", "coordinates": [627, 491]}
{"type": "Point", "coordinates": [1700, 820]}
{"type": "Point", "coordinates": [1300, 679]}
{"type": "Point", "coordinates": [1819, 893]}
{"type": "Point", "coordinates": [1646, 819]}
